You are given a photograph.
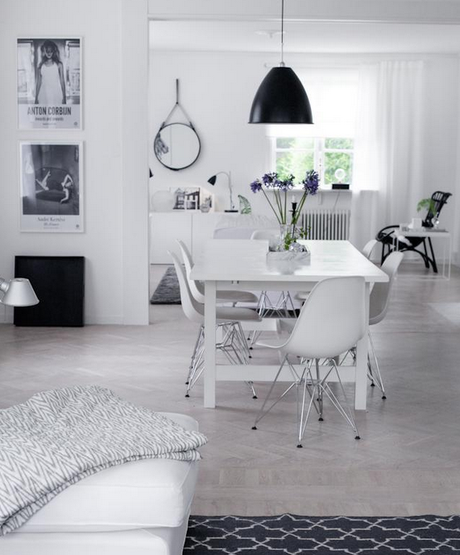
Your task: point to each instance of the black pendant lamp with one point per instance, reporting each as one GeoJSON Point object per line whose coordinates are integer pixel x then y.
{"type": "Point", "coordinates": [281, 97]}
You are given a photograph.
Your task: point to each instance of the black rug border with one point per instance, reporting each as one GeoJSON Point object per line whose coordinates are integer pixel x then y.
{"type": "Point", "coordinates": [295, 516]}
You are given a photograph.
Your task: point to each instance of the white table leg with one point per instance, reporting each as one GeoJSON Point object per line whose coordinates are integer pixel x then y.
{"type": "Point", "coordinates": [210, 345]}
{"type": "Point", "coordinates": [361, 362]}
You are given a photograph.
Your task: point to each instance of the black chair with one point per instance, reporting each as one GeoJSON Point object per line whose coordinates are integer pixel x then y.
{"type": "Point", "coordinates": [386, 235]}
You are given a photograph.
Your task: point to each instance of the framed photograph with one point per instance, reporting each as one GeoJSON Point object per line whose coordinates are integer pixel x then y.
{"type": "Point", "coordinates": [186, 198]}
{"type": "Point", "coordinates": [51, 186]}
{"type": "Point", "coordinates": [49, 83]}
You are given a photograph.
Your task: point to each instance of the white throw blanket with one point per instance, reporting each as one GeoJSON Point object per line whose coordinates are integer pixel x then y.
{"type": "Point", "coordinates": [60, 437]}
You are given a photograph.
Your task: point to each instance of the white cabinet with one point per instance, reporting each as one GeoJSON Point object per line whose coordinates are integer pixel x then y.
{"type": "Point", "coordinates": [194, 228]}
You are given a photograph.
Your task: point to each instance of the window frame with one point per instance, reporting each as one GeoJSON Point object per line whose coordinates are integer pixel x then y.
{"type": "Point", "coordinates": [319, 151]}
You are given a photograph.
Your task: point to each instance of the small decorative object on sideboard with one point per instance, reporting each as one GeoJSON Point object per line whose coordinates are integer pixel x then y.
{"type": "Point", "coordinates": [289, 232]}
{"type": "Point", "coordinates": [245, 205]}
{"type": "Point", "coordinates": [187, 198]}
{"type": "Point", "coordinates": [206, 205]}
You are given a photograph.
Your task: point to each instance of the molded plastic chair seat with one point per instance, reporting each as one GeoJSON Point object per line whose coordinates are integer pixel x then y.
{"type": "Point", "coordinates": [368, 248]}
{"type": "Point", "coordinates": [230, 296]}
{"type": "Point", "coordinates": [303, 295]}
{"type": "Point", "coordinates": [270, 235]}
{"type": "Point", "coordinates": [380, 295]}
{"type": "Point", "coordinates": [330, 322]}
{"type": "Point", "coordinates": [197, 288]}
{"type": "Point", "coordinates": [286, 325]}
{"type": "Point", "coordinates": [230, 313]}
{"type": "Point", "coordinates": [233, 342]}
{"type": "Point", "coordinates": [378, 307]}
{"type": "Point", "coordinates": [366, 251]}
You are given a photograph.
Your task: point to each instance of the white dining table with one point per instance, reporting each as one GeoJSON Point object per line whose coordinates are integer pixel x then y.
{"type": "Point", "coordinates": [246, 264]}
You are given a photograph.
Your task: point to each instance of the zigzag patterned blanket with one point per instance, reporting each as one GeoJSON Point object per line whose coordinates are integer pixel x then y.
{"type": "Point", "coordinates": [62, 436]}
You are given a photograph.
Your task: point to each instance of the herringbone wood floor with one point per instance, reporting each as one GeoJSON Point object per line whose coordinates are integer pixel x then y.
{"type": "Point", "coordinates": [406, 462]}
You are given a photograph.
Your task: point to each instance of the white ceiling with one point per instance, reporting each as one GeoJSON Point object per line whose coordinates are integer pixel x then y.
{"type": "Point", "coordinates": [301, 36]}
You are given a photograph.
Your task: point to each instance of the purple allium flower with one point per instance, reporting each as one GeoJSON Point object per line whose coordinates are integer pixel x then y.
{"type": "Point", "coordinates": [269, 179]}
{"type": "Point", "coordinates": [256, 186]}
{"type": "Point", "coordinates": [311, 182]}
{"type": "Point", "coordinates": [286, 184]}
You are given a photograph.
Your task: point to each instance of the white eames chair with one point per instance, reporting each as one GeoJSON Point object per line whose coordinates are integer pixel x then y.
{"type": "Point", "coordinates": [232, 342]}
{"type": "Point", "coordinates": [332, 321]}
{"type": "Point", "coordinates": [378, 308]}
{"type": "Point", "coordinates": [197, 288]}
{"type": "Point", "coordinates": [366, 251]}
{"type": "Point", "coordinates": [270, 235]}
{"type": "Point", "coordinates": [368, 248]}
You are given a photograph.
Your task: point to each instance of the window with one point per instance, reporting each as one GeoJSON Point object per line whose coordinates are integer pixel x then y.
{"type": "Point", "coordinates": [297, 155]}
{"type": "Point", "coordinates": [326, 146]}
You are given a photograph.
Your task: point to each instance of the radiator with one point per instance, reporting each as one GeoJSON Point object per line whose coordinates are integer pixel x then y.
{"type": "Point", "coordinates": [324, 223]}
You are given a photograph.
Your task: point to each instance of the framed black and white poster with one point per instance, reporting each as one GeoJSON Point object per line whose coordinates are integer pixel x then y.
{"type": "Point", "coordinates": [51, 186]}
{"type": "Point", "coordinates": [49, 83]}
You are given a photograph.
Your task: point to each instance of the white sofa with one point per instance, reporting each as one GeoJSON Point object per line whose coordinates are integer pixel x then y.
{"type": "Point", "coordinates": [138, 508]}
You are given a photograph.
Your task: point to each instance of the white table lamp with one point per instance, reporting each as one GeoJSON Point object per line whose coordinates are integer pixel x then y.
{"type": "Point", "coordinates": [17, 292]}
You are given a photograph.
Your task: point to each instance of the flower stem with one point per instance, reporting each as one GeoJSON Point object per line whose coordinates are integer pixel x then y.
{"type": "Point", "coordinates": [271, 206]}
{"type": "Point", "coordinates": [280, 206]}
{"type": "Point", "coordinates": [285, 206]}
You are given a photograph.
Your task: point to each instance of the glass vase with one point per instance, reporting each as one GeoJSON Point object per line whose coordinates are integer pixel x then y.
{"type": "Point", "coordinates": [289, 234]}
{"type": "Point", "coordinates": [283, 241]}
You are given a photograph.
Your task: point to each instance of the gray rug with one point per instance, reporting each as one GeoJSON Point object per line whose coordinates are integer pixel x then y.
{"type": "Point", "coordinates": [168, 291]}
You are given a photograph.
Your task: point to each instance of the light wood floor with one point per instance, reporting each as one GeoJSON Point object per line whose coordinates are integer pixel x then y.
{"type": "Point", "coordinates": [406, 463]}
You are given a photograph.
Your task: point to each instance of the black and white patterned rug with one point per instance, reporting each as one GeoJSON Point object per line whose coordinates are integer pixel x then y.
{"type": "Point", "coordinates": [301, 535]}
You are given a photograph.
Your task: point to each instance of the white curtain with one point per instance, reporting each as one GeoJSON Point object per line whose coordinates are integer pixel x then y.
{"type": "Point", "coordinates": [387, 175]}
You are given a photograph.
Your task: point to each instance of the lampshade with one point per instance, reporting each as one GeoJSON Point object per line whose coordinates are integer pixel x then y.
{"type": "Point", "coordinates": [212, 180]}
{"type": "Point", "coordinates": [281, 98]}
{"type": "Point", "coordinates": [20, 293]}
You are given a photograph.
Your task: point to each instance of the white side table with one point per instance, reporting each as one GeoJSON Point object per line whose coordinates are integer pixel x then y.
{"type": "Point", "coordinates": [430, 234]}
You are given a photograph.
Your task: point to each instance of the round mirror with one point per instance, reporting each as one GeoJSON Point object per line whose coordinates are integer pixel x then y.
{"type": "Point", "coordinates": [177, 146]}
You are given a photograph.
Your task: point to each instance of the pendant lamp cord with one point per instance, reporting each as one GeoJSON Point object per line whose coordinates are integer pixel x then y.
{"type": "Point", "coordinates": [282, 33]}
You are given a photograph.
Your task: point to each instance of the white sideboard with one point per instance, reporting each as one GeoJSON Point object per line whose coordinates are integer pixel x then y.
{"type": "Point", "coordinates": [191, 227]}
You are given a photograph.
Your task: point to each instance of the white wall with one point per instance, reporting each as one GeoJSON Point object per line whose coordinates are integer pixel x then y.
{"type": "Point", "coordinates": [217, 91]}
{"type": "Point", "coordinates": [115, 149]}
